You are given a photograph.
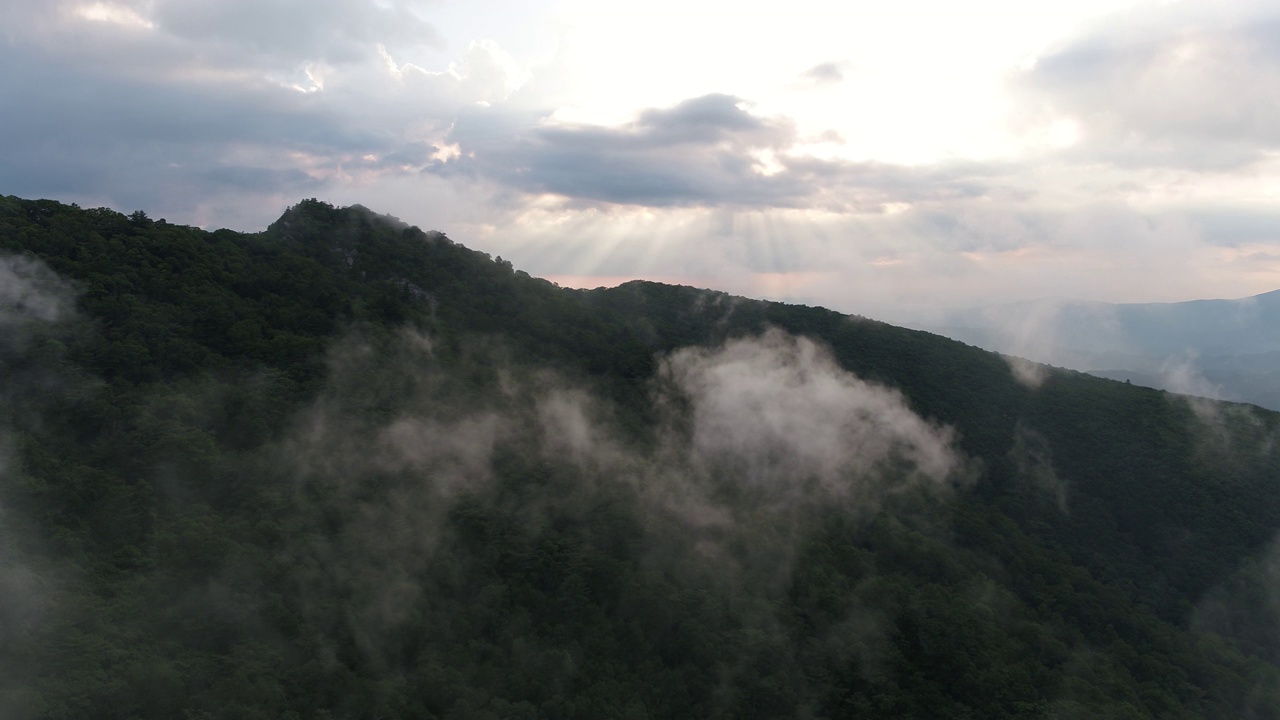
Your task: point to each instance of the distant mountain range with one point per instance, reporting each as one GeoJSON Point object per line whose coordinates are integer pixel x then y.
{"type": "Point", "coordinates": [1223, 349]}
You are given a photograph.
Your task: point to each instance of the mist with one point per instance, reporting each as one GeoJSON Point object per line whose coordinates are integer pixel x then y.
{"type": "Point", "coordinates": [1217, 349]}
{"type": "Point", "coordinates": [413, 475]}
{"type": "Point", "coordinates": [34, 306]}
{"type": "Point", "coordinates": [781, 417]}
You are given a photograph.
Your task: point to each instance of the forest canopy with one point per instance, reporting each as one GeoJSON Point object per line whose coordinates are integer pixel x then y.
{"type": "Point", "coordinates": [346, 468]}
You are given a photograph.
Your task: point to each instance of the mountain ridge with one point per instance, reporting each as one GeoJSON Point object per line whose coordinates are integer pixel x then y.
{"type": "Point", "coordinates": [346, 466]}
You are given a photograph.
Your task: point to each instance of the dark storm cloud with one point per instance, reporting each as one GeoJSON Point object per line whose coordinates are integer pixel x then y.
{"type": "Point", "coordinates": [706, 151]}
{"type": "Point", "coordinates": [1168, 88]}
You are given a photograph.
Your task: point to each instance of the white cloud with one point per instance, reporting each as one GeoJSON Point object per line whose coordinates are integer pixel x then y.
{"type": "Point", "coordinates": [31, 293]}
{"type": "Point", "coordinates": [779, 412]}
{"type": "Point", "coordinates": [1183, 85]}
{"type": "Point", "coordinates": [113, 13]}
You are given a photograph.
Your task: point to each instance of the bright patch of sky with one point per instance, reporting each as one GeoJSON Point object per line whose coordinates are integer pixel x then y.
{"type": "Point", "coordinates": [913, 81]}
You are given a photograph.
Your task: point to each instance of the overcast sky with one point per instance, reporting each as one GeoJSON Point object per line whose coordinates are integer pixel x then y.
{"type": "Point", "coordinates": [878, 158]}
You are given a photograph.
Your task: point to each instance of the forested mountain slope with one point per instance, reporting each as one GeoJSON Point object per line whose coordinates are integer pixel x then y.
{"type": "Point", "coordinates": [345, 468]}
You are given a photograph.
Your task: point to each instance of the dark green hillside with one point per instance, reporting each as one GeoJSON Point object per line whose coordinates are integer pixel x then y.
{"type": "Point", "coordinates": [344, 468]}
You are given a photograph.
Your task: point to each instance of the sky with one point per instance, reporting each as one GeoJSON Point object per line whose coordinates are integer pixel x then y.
{"type": "Point", "coordinates": [884, 159]}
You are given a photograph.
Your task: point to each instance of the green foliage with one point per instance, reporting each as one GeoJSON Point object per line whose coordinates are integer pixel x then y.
{"type": "Point", "coordinates": [209, 510]}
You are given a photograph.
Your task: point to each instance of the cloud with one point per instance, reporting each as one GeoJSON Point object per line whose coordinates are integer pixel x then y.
{"type": "Point", "coordinates": [1028, 373]}
{"type": "Point", "coordinates": [31, 293]}
{"type": "Point", "coordinates": [752, 437]}
{"type": "Point", "coordinates": [26, 598]}
{"type": "Point", "coordinates": [225, 110]}
{"type": "Point", "coordinates": [780, 414]}
{"type": "Point", "coordinates": [705, 151]}
{"type": "Point", "coordinates": [1177, 86]}
{"type": "Point", "coordinates": [697, 152]}
{"type": "Point", "coordinates": [235, 33]}
{"type": "Point", "coordinates": [32, 298]}
{"type": "Point", "coordinates": [35, 304]}
{"type": "Point", "coordinates": [1180, 373]}
{"type": "Point", "coordinates": [827, 73]}
{"type": "Point", "coordinates": [1032, 456]}
{"type": "Point", "coordinates": [333, 31]}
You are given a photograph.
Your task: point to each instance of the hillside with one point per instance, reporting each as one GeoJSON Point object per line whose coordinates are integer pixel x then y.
{"type": "Point", "coordinates": [346, 468]}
